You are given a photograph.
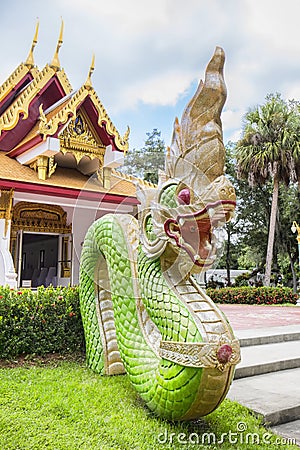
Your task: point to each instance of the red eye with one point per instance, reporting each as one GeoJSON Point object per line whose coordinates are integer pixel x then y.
{"type": "Point", "coordinates": [184, 196]}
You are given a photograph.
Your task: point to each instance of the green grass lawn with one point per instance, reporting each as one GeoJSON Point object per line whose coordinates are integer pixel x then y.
{"type": "Point", "coordinates": [62, 405]}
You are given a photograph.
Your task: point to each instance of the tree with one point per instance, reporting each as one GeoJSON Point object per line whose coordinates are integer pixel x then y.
{"type": "Point", "coordinates": [270, 149]}
{"type": "Point", "coordinates": [248, 228]}
{"type": "Point", "coordinates": [146, 162]}
{"type": "Point", "coordinates": [287, 247]}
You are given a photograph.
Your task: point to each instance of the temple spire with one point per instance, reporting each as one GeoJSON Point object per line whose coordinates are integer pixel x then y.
{"type": "Point", "coordinates": [30, 61]}
{"type": "Point", "coordinates": [88, 83]}
{"type": "Point", "coordinates": [55, 64]}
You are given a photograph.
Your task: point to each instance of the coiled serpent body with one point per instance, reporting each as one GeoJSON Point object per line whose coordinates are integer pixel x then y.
{"type": "Point", "coordinates": [143, 312]}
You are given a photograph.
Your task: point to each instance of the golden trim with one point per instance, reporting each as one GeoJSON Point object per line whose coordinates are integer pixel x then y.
{"type": "Point", "coordinates": [11, 116]}
{"type": "Point", "coordinates": [202, 354]}
{"type": "Point", "coordinates": [52, 166]}
{"type": "Point", "coordinates": [79, 138]}
{"type": "Point", "coordinates": [6, 199]}
{"type": "Point", "coordinates": [38, 217]}
{"type": "Point", "coordinates": [14, 79]}
{"type": "Point", "coordinates": [48, 128]}
{"type": "Point", "coordinates": [64, 81]}
{"type": "Point", "coordinates": [69, 110]}
{"type": "Point", "coordinates": [21, 105]}
{"type": "Point", "coordinates": [42, 167]}
{"type": "Point", "coordinates": [121, 142]}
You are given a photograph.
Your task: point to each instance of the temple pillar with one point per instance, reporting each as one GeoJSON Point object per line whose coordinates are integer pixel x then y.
{"type": "Point", "coordinates": [106, 177]}
{"type": "Point", "coordinates": [8, 274]}
{"type": "Point", "coordinates": [42, 167]}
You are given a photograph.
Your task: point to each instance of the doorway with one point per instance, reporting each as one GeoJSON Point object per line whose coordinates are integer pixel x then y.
{"type": "Point", "coordinates": [39, 259]}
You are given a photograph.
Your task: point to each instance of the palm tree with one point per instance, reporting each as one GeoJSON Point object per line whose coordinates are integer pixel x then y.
{"type": "Point", "coordinates": [270, 149]}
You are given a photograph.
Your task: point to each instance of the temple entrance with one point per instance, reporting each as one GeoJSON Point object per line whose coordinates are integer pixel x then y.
{"type": "Point", "coordinates": [41, 245]}
{"type": "Point", "coordinates": [43, 259]}
{"type": "Point", "coordinates": [39, 260]}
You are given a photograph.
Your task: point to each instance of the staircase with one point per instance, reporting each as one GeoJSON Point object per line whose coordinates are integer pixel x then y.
{"type": "Point", "coordinates": [267, 380]}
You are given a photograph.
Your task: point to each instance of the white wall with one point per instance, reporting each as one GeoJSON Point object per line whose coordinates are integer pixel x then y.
{"type": "Point", "coordinates": [81, 213]}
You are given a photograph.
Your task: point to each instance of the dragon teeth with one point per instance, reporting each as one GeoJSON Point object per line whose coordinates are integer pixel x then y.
{"type": "Point", "coordinates": [211, 212]}
{"type": "Point", "coordinates": [208, 246]}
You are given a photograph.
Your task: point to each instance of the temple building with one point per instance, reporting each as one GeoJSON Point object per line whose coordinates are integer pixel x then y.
{"type": "Point", "coordinates": [59, 151]}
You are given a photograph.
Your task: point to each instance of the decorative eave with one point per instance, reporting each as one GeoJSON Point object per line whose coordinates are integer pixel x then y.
{"type": "Point", "coordinates": [15, 79]}
{"type": "Point", "coordinates": [20, 106]}
{"type": "Point", "coordinates": [49, 127]}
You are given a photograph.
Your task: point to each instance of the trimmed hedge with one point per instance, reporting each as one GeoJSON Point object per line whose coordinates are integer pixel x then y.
{"type": "Point", "coordinates": [49, 320]}
{"type": "Point", "coordinates": [253, 295]}
{"type": "Point", "coordinates": [45, 321]}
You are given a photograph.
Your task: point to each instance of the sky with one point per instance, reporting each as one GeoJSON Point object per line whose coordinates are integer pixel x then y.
{"type": "Point", "coordinates": [150, 55]}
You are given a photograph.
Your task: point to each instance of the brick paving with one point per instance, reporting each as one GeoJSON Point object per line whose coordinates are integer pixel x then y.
{"type": "Point", "coordinates": [243, 317]}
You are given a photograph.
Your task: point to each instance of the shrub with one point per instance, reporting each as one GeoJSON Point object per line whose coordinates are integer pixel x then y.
{"type": "Point", "coordinates": [45, 321]}
{"type": "Point", "coordinates": [253, 295]}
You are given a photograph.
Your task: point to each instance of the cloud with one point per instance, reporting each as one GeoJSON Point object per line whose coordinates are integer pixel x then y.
{"type": "Point", "coordinates": [160, 90]}
{"type": "Point", "coordinates": [149, 55]}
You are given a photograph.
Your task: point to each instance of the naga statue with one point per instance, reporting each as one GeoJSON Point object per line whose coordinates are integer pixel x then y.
{"type": "Point", "coordinates": [143, 311]}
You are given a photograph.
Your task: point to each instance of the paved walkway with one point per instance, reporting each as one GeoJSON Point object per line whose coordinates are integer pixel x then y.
{"type": "Point", "coordinates": [274, 395]}
{"type": "Point", "coordinates": [243, 317]}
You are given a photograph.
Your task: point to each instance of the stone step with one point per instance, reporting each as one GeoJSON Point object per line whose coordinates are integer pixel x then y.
{"type": "Point", "coordinates": [289, 429]}
{"type": "Point", "coordinates": [266, 358]}
{"type": "Point", "coordinates": [261, 336]}
{"type": "Point", "coordinates": [275, 396]}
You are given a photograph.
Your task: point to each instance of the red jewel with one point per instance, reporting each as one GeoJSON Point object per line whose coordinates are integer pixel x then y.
{"type": "Point", "coordinates": [184, 196]}
{"type": "Point", "coordinates": [224, 354]}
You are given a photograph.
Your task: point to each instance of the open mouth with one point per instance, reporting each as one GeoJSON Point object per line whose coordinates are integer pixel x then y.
{"type": "Point", "coordinates": [193, 232]}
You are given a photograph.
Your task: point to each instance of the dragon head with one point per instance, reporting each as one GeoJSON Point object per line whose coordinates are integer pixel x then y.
{"type": "Point", "coordinates": [182, 216]}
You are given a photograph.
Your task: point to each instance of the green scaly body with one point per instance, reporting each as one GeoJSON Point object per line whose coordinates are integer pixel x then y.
{"type": "Point", "coordinates": [142, 311]}
{"type": "Point", "coordinates": [169, 389]}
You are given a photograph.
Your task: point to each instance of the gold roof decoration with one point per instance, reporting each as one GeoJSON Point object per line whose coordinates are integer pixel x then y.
{"type": "Point", "coordinates": [88, 83]}
{"type": "Point", "coordinates": [30, 61]}
{"type": "Point", "coordinates": [10, 117]}
{"type": "Point", "coordinates": [55, 64]}
{"type": "Point", "coordinates": [21, 70]}
{"type": "Point", "coordinates": [50, 127]}
{"type": "Point", "coordinates": [38, 217]}
{"type": "Point", "coordinates": [79, 138]}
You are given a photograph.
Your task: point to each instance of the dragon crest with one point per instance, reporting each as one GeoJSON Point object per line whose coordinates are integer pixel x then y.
{"type": "Point", "coordinates": [202, 199]}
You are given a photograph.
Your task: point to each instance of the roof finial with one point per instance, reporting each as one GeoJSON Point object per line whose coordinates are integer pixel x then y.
{"type": "Point", "coordinates": [55, 64]}
{"type": "Point", "coordinates": [29, 61]}
{"type": "Point", "coordinates": [88, 83]}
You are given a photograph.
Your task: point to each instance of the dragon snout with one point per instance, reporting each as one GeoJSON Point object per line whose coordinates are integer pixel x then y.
{"type": "Point", "coordinates": [194, 232]}
{"type": "Point", "coordinates": [194, 236]}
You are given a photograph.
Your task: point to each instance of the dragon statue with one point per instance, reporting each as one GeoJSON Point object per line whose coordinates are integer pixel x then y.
{"type": "Point", "coordinates": [143, 311]}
